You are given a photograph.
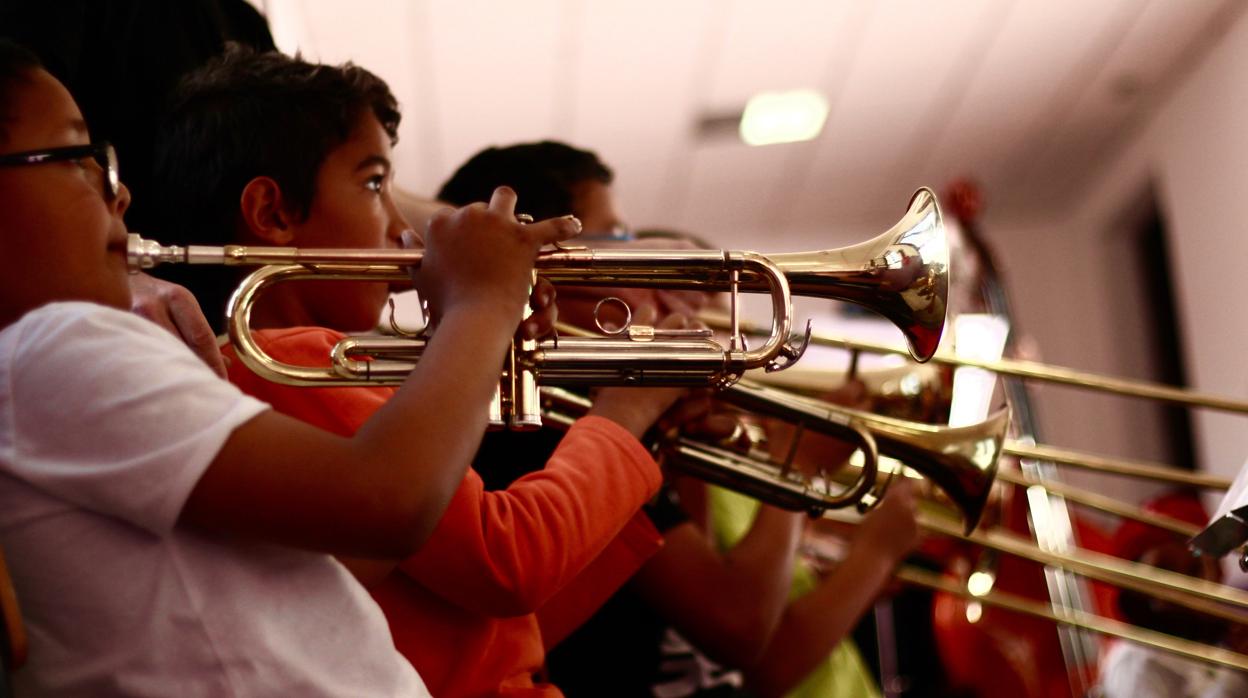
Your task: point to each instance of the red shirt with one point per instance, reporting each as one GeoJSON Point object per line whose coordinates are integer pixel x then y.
{"type": "Point", "coordinates": [463, 608]}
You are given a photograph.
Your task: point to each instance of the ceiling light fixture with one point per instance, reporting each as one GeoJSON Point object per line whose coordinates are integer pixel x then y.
{"type": "Point", "coordinates": [783, 117]}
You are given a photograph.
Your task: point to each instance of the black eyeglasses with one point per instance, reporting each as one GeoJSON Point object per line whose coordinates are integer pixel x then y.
{"type": "Point", "coordinates": [102, 153]}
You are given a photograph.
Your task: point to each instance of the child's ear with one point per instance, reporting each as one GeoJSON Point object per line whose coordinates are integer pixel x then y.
{"type": "Point", "coordinates": [264, 213]}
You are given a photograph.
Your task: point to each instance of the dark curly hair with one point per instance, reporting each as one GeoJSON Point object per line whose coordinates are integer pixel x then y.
{"type": "Point", "coordinates": [16, 64]}
{"type": "Point", "coordinates": [249, 114]}
{"type": "Point", "coordinates": [543, 175]}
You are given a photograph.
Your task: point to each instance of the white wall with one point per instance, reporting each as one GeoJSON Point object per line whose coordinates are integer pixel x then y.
{"type": "Point", "coordinates": [1067, 273]}
{"type": "Point", "coordinates": [1202, 155]}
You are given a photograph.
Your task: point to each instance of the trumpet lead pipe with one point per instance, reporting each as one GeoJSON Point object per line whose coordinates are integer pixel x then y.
{"type": "Point", "coordinates": [145, 254]}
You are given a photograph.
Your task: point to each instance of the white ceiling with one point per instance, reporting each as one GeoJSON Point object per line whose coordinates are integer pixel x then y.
{"type": "Point", "coordinates": [1027, 96]}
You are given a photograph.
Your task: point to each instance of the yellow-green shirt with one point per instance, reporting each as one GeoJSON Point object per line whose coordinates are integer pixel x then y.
{"type": "Point", "coordinates": [843, 673]}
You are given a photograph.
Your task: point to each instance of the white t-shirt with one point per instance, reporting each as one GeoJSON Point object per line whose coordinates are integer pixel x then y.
{"type": "Point", "coordinates": [106, 424]}
{"type": "Point", "coordinates": [1135, 671]}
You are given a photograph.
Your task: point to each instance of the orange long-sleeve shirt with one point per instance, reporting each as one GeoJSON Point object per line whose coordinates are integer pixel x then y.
{"type": "Point", "coordinates": [463, 609]}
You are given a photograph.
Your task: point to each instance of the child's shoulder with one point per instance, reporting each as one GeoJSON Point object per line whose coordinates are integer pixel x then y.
{"type": "Point", "coordinates": [79, 336]}
{"type": "Point", "coordinates": [73, 316]}
{"type": "Point", "coordinates": [73, 312]}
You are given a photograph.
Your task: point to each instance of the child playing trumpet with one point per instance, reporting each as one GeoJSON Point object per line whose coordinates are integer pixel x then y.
{"type": "Point", "coordinates": [166, 534]}
{"type": "Point", "coordinates": [304, 153]}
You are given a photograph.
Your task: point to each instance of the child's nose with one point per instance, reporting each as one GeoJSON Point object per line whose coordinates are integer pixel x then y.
{"type": "Point", "coordinates": [394, 232]}
{"type": "Point", "coordinates": [122, 200]}
{"type": "Point", "coordinates": [398, 224]}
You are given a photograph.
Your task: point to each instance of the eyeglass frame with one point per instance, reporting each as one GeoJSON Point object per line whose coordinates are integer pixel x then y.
{"type": "Point", "coordinates": [103, 153]}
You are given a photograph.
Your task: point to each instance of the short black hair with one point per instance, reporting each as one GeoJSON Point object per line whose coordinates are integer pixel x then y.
{"type": "Point", "coordinates": [543, 174]}
{"type": "Point", "coordinates": [248, 114]}
{"type": "Point", "coordinates": [16, 65]}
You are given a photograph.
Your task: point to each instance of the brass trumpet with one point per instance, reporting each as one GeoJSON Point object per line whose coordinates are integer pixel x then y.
{"type": "Point", "coordinates": [962, 461]}
{"type": "Point", "coordinates": [721, 466]}
{"type": "Point", "coordinates": [901, 274]}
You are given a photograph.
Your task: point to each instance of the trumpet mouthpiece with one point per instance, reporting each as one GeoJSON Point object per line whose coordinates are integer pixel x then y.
{"type": "Point", "coordinates": [144, 254]}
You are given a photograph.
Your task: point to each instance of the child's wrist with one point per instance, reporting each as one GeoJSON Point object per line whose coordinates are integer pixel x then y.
{"type": "Point", "coordinates": [487, 310]}
{"type": "Point", "coordinates": [632, 419]}
{"type": "Point", "coordinates": [876, 556]}
{"type": "Point", "coordinates": [630, 422]}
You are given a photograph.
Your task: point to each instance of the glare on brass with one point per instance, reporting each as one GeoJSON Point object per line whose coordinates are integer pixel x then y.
{"type": "Point", "coordinates": [901, 274]}
{"type": "Point", "coordinates": [1093, 500]}
{"type": "Point", "coordinates": [911, 391]}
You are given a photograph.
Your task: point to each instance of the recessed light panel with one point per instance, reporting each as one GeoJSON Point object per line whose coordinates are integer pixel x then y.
{"type": "Point", "coordinates": [783, 117]}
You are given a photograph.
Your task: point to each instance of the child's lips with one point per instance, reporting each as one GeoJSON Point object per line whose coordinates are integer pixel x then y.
{"type": "Point", "coordinates": [117, 248]}
{"type": "Point", "coordinates": [118, 241]}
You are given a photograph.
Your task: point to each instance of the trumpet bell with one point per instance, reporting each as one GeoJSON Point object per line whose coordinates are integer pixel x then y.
{"type": "Point", "coordinates": [961, 461]}
{"type": "Point", "coordinates": [902, 274]}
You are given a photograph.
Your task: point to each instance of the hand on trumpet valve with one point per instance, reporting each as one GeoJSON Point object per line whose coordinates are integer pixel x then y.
{"type": "Point", "coordinates": [683, 302]}
{"type": "Point", "coordinates": [481, 257]}
{"type": "Point", "coordinates": [891, 529]}
{"type": "Point", "coordinates": [810, 452]}
{"type": "Point", "coordinates": [580, 305]}
{"type": "Point", "coordinates": [637, 409]}
{"type": "Point", "coordinates": [545, 312]}
{"type": "Point", "coordinates": [853, 394]}
{"type": "Point", "coordinates": [698, 416]}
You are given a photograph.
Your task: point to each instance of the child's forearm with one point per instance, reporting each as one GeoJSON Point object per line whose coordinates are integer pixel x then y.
{"type": "Point", "coordinates": [505, 553]}
{"type": "Point", "coordinates": [426, 436]}
{"type": "Point", "coordinates": [380, 493]}
{"type": "Point", "coordinates": [814, 624]}
{"type": "Point", "coordinates": [727, 604]}
{"type": "Point", "coordinates": [763, 562]}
